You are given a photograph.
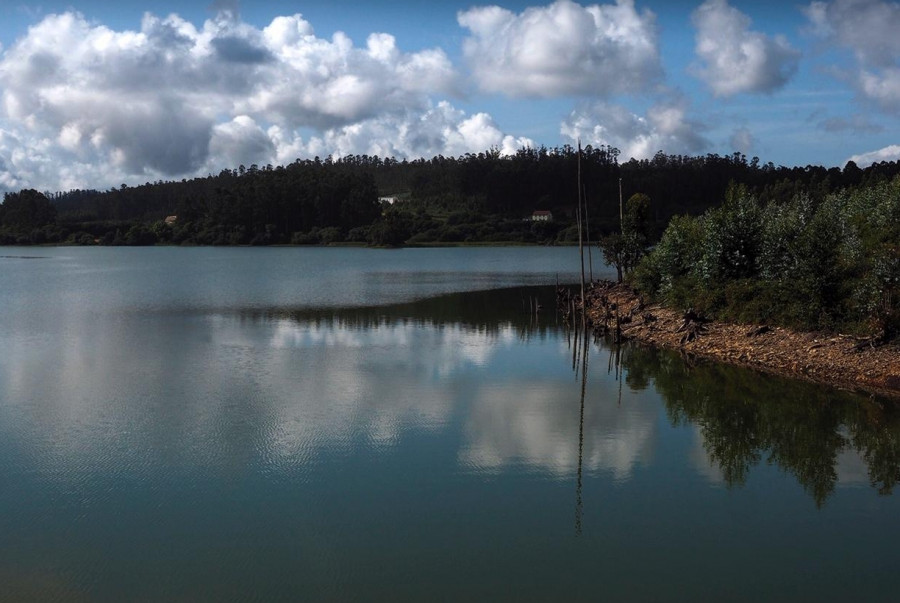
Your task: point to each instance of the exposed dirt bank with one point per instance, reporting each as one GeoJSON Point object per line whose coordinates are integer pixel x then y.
{"type": "Point", "coordinates": [838, 360]}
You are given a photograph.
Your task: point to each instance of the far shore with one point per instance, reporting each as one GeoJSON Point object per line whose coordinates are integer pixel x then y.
{"type": "Point", "coordinates": [838, 360]}
{"type": "Point", "coordinates": [333, 244]}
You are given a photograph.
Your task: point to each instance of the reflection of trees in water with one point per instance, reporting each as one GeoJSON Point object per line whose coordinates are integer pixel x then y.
{"type": "Point", "coordinates": [745, 416]}
{"type": "Point", "coordinates": [485, 311]}
{"type": "Point", "coordinates": [879, 444]}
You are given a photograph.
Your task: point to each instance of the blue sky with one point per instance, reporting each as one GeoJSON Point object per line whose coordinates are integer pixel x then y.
{"type": "Point", "coordinates": [95, 94]}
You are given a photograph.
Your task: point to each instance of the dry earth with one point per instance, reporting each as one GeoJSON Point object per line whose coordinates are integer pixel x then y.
{"type": "Point", "coordinates": [839, 360]}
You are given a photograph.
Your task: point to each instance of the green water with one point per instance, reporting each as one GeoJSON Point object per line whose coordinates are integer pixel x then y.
{"type": "Point", "coordinates": [344, 424]}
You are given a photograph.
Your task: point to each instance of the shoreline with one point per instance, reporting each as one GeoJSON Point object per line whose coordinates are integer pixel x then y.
{"type": "Point", "coordinates": [840, 361]}
{"type": "Point", "coordinates": [423, 245]}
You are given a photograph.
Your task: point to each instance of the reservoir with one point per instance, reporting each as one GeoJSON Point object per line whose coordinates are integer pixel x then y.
{"type": "Point", "coordinates": [342, 424]}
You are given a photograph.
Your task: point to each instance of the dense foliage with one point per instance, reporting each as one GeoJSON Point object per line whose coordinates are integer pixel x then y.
{"type": "Point", "coordinates": [831, 263]}
{"type": "Point", "coordinates": [625, 248]}
{"type": "Point", "coordinates": [482, 197]}
{"type": "Point", "coordinates": [26, 217]}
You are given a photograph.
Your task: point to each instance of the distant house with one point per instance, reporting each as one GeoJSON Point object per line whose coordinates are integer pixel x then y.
{"type": "Point", "coordinates": [171, 220]}
{"type": "Point", "coordinates": [542, 216]}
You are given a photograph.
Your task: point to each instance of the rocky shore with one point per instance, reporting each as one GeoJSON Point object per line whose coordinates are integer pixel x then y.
{"type": "Point", "coordinates": [838, 360]}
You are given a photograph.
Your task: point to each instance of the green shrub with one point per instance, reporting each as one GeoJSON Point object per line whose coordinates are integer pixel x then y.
{"type": "Point", "coordinates": [832, 265]}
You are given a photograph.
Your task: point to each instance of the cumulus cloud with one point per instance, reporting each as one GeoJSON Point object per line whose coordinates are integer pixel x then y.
{"type": "Point", "coordinates": [9, 143]}
{"type": "Point", "coordinates": [889, 153]}
{"type": "Point", "coordinates": [81, 84]}
{"type": "Point", "coordinates": [882, 87]}
{"type": "Point", "coordinates": [868, 29]}
{"type": "Point", "coordinates": [562, 49]}
{"type": "Point", "coordinates": [440, 130]}
{"type": "Point", "coordinates": [329, 83]}
{"type": "Point", "coordinates": [240, 142]}
{"type": "Point", "coordinates": [734, 59]}
{"type": "Point", "coordinates": [666, 127]}
{"type": "Point", "coordinates": [175, 99]}
{"type": "Point", "coordinates": [238, 50]}
{"type": "Point", "coordinates": [742, 140]}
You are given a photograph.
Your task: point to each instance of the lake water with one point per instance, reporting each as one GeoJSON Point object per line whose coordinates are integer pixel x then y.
{"type": "Point", "coordinates": [209, 424]}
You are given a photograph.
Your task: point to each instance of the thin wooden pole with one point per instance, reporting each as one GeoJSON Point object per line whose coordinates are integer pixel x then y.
{"type": "Point", "coordinates": [621, 213]}
{"type": "Point", "coordinates": [579, 500]}
{"type": "Point", "coordinates": [587, 232]}
{"type": "Point", "coordinates": [578, 216]}
{"type": "Point", "coordinates": [575, 347]}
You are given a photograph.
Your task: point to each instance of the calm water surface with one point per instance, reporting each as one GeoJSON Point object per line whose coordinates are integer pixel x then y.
{"type": "Point", "coordinates": [345, 424]}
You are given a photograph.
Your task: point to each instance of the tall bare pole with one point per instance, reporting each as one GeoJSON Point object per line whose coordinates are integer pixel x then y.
{"type": "Point", "coordinates": [587, 233]}
{"type": "Point", "coordinates": [578, 218]}
{"type": "Point", "coordinates": [579, 501]}
{"type": "Point", "coordinates": [621, 213]}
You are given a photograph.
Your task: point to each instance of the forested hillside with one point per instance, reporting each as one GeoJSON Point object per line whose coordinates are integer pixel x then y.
{"type": "Point", "coordinates": [481, 197]}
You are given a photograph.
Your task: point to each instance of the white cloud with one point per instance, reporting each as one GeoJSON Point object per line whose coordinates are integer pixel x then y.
{"type": "Point", "coordinates": [439, 130]}
{"type": "Point", "coordinates": [883, 87]}
{"type": "Point", "coordinates": [329, 83]}
{"type": "Point", "coordinates": [98, 91]}
{"type": "Point", "coordinates": [240, 142]}
{"type": "Point", "coordinates": [82, 105]}
{"type": "Point", "coordinates": [889, 153]}
{"type": "Point", "coordinates": [868, 29]}
{"type": "Point", "coordinates": [562, 49]}
{"type": "Point", "coordinates": [9, 143]}
{"type": "Point", "coordinates": [666, 127]}
{"type": "Point", "coordinates": [743, 141]}
{"type": "Point", "coordinates": [734, 59]}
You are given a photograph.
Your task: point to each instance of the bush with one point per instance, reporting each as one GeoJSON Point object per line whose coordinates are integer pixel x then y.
{"type": "Point", "coordinates": [360, 234]}
{"type": "Point", "coordinates": [80, 238]}
{"type": "Point", "coordinates": [306, 238]}
{"type": "Point", "coordinates": [568, 235]}
{"type": "Point", "coordinates": [732, 238]}
{"type": "Point", "coordinates": [834, 265]}
{"type": "Point", "coordinates": [674, 262]}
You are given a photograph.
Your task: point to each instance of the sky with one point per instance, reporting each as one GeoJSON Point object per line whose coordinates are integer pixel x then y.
{"type": "Point", "coordinates": [96, 94]}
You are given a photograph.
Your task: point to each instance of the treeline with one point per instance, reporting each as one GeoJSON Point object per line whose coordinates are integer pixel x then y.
{"type": "Point", "coordinates": [255, 206]}
{"type": "Point", "coordinates": [829, 263]}
{"type": "Point", "coordinates": [482, 197]}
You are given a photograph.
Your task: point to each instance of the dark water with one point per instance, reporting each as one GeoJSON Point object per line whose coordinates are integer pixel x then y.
{"type": "Point", "coordinates": [339, 424]}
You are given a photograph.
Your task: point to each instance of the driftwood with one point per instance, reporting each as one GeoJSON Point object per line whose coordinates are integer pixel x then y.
{"type": "Point", "coordinates": [871, 342]}
{"type": "Point", "coordinates": [692, 327]}
{"type": "Point", "coordinates": [691, 319]}
{"type": "Point", "coordinates": [758, 331]}
{"type": "Point", "coordinates": [638, 307]}
{"type": "Point", "coordinates": [691, 333]}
